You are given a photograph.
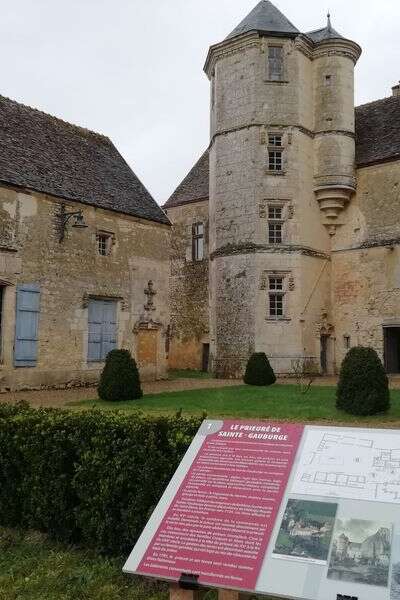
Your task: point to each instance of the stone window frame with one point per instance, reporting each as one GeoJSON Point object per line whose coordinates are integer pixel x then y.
{"type": "Point", "coordinates": [275, 76]}
{"type": "Point", "coordinates": [276, 153]}
{"type": "Point", "coordinates": [276, 221]}
{"type": "Point", "coordinates": [347, 341]}
{"type": "Point", "coordinates": [198, 236]}
{"type": "Point", "coordinates": [105, 241]}
{"type": "Point", "coordinates": [277, 285]}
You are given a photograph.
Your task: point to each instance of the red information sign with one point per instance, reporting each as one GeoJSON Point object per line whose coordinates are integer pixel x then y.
{"type": "Point", "coordinates": [220, 521]}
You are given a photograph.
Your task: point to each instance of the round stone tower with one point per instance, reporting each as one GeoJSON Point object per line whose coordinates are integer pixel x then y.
{"type": "Point", "coordinates": [247, 71]}
{"type": "Point", "coordinates": [334, 58]}
{"type": "Point", "coordinates": [281, 151]}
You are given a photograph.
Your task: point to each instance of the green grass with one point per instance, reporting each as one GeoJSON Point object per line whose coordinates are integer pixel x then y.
{"type": "Point", "coordinates": [34, 568]}
{"type": "Point", "coordinates": [283, 402]}
{"type": "Point", "coordinates": [188, 374]}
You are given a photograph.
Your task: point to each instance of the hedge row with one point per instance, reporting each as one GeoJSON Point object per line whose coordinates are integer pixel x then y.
{"type": "Point", "coordinates": [91, 478]}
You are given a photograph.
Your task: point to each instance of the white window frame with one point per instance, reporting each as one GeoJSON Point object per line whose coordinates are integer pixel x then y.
{"type": "Point", "coordinates": [276, 150]}
{"type": "Point", "coordinates": [276, 221]}
{"type": "Point", "coordinates": [198, 241]}
{"type": "Point", "coordinates": [276, 58]}
{"type": "Point", "coordinates": [276, 297]}
{"type": "Point", "coordinates": [104, 243]}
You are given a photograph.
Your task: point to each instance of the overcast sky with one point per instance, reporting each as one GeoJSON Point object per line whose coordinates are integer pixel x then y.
{"type": "Point", "coordinates": [133, 69]}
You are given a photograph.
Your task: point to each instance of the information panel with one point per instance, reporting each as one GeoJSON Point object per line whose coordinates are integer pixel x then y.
{"type": "Point", "coordinates": [279, 509]}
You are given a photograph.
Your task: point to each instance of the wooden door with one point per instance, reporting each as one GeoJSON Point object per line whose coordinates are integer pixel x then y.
{"type": "Point", "coordinates": [147, 350]}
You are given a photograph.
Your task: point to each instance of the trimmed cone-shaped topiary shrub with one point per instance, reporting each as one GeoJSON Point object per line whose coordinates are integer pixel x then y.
{"type": "Point", "coordinates": [259, 371]}
{"type": "Point", "coordinates": [119, 379]}
{"type": "Point", "coordinates": [363, 387]}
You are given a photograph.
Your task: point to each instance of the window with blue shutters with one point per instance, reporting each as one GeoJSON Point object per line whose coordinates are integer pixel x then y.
{"type": "Point", "coordinates": [27, 325]}
{"type": "Point", "coordinates": [102, 324]}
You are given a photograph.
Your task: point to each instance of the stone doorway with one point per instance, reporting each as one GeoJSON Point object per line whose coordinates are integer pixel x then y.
{"type": "Point", "coordinates": [147, 352]}
{"type": "Point", "coordinates": [205, 358]}
{"type": "Point", "coordinates": [324, 353]}
{"type": "Point", "coordinates": [392, 349]}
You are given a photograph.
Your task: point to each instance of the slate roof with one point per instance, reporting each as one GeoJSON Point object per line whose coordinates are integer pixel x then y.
{"type": "Point", "coordinates": [326, 33]}
{"type": "Point", "coordinates": [266, 18]}
{"type": "Point", "coordinates": [377, 140]}
{"type": "Point", "coordinates": [195, 186]}
{"type": "Point", "coordinates": [378, 131]}
{"type": "Point", "coordinates": [46, 154]}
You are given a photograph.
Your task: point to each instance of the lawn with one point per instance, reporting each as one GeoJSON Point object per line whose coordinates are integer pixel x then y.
{"type": "Point", "coordinates": [279, 402]}
{"type": "Point", "coordinates": [34, 568]}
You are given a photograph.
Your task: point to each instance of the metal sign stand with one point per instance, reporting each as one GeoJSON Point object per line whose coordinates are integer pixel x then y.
{"type": "Point", "coordinates": [178, 593]}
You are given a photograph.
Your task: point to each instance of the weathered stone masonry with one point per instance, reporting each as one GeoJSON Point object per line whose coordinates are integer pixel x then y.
{"type": "Point", "coordinates": [69, 278]}
{"type": "Point", "coordinates": [330, 277]}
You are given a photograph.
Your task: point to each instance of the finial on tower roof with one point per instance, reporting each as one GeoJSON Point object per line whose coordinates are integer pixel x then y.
{"type": "Point", "coordinates": [329, 20]}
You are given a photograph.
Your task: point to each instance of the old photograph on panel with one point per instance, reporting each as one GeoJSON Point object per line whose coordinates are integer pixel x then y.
{"type": "Point", "coordinates": [361, 552]}
{"type": "Point", "coordinates": [306, 531]}
{"type": "Point", "coordinates": [395, 579]}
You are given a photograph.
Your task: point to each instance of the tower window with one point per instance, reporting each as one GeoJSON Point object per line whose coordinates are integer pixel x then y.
{"type": "Point", "coordinates": [104, 243]}
{"type": "Point", "coordinates": [275, 152]}
{"type": "Point", "coordinates": [275, 160]}
{"type": "Point", "coordinates": [275, 63]}
{"type": "Point", "coordinates": [347, 342]}
{"type": "Point", "coordinates": [328, 80]}
{"type": "Point", "coordinates": [275, 233]}
{"type": "Point", "coordinates": [276, 297]}
{"type": "Point", "coordinates": [275, 224]}
{"type": "Point", "coordinates": [275, 140]}
{"type": "Point", "coordinates": [198, 241]}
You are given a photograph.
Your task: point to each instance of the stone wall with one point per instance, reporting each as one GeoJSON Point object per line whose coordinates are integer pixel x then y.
{"type": "Point", "coordinates": [366, 259]}
{"type": "Point", "coordinates": [69, 274]}
{"type": "Point", "coordinates": [248, 107]}
{"type": "Point", "coordinates": [188, 288]}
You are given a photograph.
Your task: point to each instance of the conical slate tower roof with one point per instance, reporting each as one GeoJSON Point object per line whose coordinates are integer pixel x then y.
{"type": "Point", "coordinates": [326, 33]}
{"type": "Point", "coordinates": [266, 18]}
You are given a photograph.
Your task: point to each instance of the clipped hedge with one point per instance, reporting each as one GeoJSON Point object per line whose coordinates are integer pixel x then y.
{"type": "Point", "coordinates": [119, 380]}
{"type": "Point", "coordinates": [259, 370]}
{"type": "Point", "coordinates": [363, 386]}
{"type": "Point", "coordinates": [91, 478]}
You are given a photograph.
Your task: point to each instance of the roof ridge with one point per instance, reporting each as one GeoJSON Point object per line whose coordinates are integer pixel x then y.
{"type": "Point", "coordinates": [54, 118]}
{"type": "Point", "coordinates": [377, 101]}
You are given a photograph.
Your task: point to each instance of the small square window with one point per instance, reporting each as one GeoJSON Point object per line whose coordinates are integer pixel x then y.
{"type": "Point", "coordinates": [275, 140]}
{"type": "Point", "coordinates": [104, 243]}
{"type": "Point", "coordinates": [276, 283]}
{"type": "Point", "coordinates": [275, 213]}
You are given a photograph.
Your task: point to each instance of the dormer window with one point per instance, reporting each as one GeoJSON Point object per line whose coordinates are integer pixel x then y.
{"type": "Point", "coordinates": [275, 63]}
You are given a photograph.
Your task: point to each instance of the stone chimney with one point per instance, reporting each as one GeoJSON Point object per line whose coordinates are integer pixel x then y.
{"type": "Point", "coordinates": [396, 89]}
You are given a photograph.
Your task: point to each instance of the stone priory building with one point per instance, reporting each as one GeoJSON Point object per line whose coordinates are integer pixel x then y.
{"type": "Point", "coordinates": [83, 255]}
{"type": "Point", "coordinates": [286, 233]}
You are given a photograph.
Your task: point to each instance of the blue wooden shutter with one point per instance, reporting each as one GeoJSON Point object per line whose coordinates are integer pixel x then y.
{"type": "Point", "coordinates": [27, 325]}
{"type": "Point", "coordinates": [95, 323]}
{"type": "Point", "coordinates": [109, 337]}
{"type": "Point", "coordinates": [102, 324]}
